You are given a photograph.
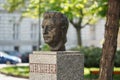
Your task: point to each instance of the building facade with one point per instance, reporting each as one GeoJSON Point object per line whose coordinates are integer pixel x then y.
{"type": "Point", "coordinates": [18, 35]}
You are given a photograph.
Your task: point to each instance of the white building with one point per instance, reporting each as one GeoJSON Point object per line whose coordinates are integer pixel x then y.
{"type": "Point", "coordinates": [93, 35]}
{"type": "Point", "coordinates": [17, 35]}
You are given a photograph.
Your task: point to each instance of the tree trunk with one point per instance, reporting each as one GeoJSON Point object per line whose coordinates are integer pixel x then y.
{"type": "Point", "coordinates": [110, 44]}
{"type": "Point", "coordinates": [79, 41]}
{"type": "Point", "coordinates": [78, 28]}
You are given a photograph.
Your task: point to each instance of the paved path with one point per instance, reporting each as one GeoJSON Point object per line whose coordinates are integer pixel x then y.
{"type": "Point", "coordinates": [5, 77]}
{"type": "Point", "coordinates": [21, 64]}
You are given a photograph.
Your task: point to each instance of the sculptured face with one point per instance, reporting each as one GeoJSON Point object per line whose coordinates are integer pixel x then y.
{"type": "Point", "coordinates": [51, 31]}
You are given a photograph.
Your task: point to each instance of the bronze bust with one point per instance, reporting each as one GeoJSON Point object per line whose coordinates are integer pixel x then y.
{"type": "Point", "coordinates": [55, 25]}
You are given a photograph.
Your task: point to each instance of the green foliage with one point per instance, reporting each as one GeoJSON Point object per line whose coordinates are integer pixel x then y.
{"type": "Point", "coordinates": [92, 56]}
{"type": "Point", "coordinates": [72, 8]}
{"type": "Point", "coordinates": [13, 5]}
{"type": "Point", "coordinates": [102, 7]}
{"type": "Point", "coordinates": [68, 7]}
{"type": "Point", "coordinates": [19, 71]}
{"type": "Point", "coordinates": [45, 47]}
{"type": "Point", "coordinates": [117, 59]}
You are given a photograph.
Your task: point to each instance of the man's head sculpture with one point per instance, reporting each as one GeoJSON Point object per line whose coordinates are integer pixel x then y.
{"type": "Point", "coordinates": [55, 25]}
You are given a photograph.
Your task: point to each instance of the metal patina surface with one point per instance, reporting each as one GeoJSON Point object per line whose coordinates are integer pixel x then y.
{"type": "Point", "coordinates": [55, 25]}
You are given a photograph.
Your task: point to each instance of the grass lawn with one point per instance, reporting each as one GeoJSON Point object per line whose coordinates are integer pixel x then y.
{"type": "Point", "coordinates": [23, 71]}
{"type": "Point", "coordinates": [18, 71]}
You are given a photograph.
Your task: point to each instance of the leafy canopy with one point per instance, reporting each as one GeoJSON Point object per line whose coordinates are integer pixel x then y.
{"type": "Point", "coordinates": [87, 9]}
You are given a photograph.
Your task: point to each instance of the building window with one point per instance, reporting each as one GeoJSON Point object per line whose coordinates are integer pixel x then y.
{"type": "Point", "coordinates": [16, 48]}
{"type": "Point", "coordinates": [33, 31]}
{"type": "Point", "coordinates": [15, 31]}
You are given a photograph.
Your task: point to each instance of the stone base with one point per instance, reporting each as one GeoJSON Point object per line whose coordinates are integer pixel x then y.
{"type": "Point", "coordinates": [59, 65]}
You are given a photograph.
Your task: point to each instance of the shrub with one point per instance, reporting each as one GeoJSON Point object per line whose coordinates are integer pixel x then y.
{"type": "Point", "coordinates": [92, 56]}
{"type": "Point", "coordinates": [117, 59]}
{"type": "Point", "coordinates": [45, 47]}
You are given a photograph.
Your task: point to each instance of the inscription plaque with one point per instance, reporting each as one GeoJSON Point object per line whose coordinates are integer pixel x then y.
{"type": "Point", "coordinates": [43, 68]}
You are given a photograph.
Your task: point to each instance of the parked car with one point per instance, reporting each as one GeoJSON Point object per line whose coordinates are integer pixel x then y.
{"type": "Point", "coordinates": [14, 53]}
{"type": "Point", "coordinates": [5, 58]}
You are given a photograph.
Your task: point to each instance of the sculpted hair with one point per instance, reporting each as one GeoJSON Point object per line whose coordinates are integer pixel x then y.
{"type": "Point", "coordinates": [58, 18]}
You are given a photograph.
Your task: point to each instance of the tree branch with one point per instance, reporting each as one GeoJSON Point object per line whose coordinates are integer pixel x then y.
{"type": "Point", "coordinates": [86, 23]}
{"type": "Point", "coordinates": [75, 25]}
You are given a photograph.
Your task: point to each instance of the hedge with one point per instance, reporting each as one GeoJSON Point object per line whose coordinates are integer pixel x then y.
{"type": "Point", "coordinates": [92, 56]}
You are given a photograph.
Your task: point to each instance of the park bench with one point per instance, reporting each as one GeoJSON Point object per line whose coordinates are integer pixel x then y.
{"type": "Point", "coordinates": [96, 72]}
